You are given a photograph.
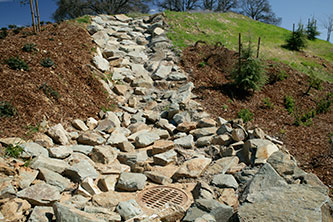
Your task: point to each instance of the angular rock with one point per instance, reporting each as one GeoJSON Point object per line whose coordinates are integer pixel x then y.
{"type": "Point", "coordinates": [32, 150]}
{"type": "Point", "coordinates": [224, 140]}
{"type": "Point", "coordinates": [156, 177]}
{"type": "Point", "coordinates": [262, 150]}
{"type": "Point", "coordinates": [185, 142]}
{"type": "Point", "coordinates": [206, 122]}
{"type": "Point", "coordinates": [238, 135]}
{"type": "Point", "coordinates": [67, 213]}
{"type": "Point", "coordinates": [120, 89]}
{"type": "Point", "coordinates": [90, 138]}
{"type": "Point", "coordinates": [224, 181]}
{"type": "Point", "coordinates": [108, 183]}
{"type": "Point", "coordinates": [129, 209]}
{"type": "Point", "coordinates": [204, 141]}
{"type": "Point", "coordinates": [6, 188]}
{"type": "Point", "coordinates": [104, 154]}
{"type": "Point", "coordinates": [131, 181]}
{"type": "Point", "coordinates": [81, 170]}
{"type": "Point", "coordinates": [131, 159]}
{"type": "Point", "coordinates": [60, 152]}
{"type": "Point", "coordinates": [85, 149]}
{"type": "Point", "coordinates": [41, 194]}
{"type": "Point", "coordinates": [166, 158]}
{"type": "Point", "coordinates": [186, 126]}
{"type": "Point", "coordinates": [41, 214]}
{"type": "Point", "coordinates": [145, 139]}
{"type": "Point", "coordinates": [90, 187]}
{"type": "Point", "coordinates": [208, 131]}
{"type": "Point", "coordinates": [222, 165]}
{"type": "Point", "coordinates": [26, 177]}
{"type": "Point", "coordinates": [101, 63]}
{"type": "Point", "coordinates": [15, 210]}
{"type": "Point", "coordinates": [49, 163]}
{"type": "Point", "coordinates": [202, 191]}
{"type": "Point", "coordinates": [107, 199]}
{"type": "Point", "coordinates": [229, 197]}
{"type": "Point", "coordinates": [192, 168]}
{"type": "Point", "coordinates": [92, 123]}
{"type": "Point", "coordinates": [43, 140]}
{"type": "Point", "coordinates": [116, 138]}
{"type": "Point", "coordinates": [58, 134]}
{"type": "Point", "coordinates": [161, 146]}
{"type": "Point", "coordinates": [54, 179]}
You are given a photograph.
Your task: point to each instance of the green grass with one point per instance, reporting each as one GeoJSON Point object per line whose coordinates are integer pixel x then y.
{"type": "Point", "coordinates": [84, 19]}
{"type": "Point", "coordinates": [186, 28]}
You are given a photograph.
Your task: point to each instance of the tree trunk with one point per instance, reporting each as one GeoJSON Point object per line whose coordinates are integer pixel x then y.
{"type": "Point", "coordinates": [329, 34]}
{"type": "Point", "coordinates": [33, 16]}
{"type": "Point", "coordinates": [37, 11]}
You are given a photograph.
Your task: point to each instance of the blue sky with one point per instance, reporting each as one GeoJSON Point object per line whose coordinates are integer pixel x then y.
{"type": "Point", "coordinates": [291, 11]}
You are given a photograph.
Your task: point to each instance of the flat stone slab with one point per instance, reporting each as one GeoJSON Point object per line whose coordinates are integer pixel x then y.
{"type": "Point", "coordinates": [131, 181]}
{"type": "Point", "coordinates": [192, 168]}
{"type": "Point", "coordinates": [41, 194]}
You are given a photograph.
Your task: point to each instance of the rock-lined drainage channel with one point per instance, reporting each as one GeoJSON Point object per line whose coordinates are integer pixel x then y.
{"type": "Point", "coordinates": [104, 169]}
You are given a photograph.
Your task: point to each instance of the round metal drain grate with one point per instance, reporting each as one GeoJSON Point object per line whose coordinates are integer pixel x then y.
{"type": "Point", "coordinates": [157, 197]}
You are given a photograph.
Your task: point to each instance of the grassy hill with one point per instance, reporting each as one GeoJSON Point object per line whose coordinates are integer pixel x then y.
{"type": "Point", "coordinates": [187, 28]}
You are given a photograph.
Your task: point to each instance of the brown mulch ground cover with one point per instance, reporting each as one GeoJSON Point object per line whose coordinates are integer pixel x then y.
{"type": "Point", "coordinates": [210, 67]}
{"type": "Point", "coordinates": [59, 93]}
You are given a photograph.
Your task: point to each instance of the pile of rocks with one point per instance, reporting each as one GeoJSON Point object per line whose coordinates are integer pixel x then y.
{"type": "Point", "coordinates": [96, 169]}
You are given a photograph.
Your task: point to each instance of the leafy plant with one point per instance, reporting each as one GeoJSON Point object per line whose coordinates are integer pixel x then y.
{"type": "Point", "coordinates": [324, 105]}
{"type": "Point", "coordinates": [47, 62]}
{"type": "Point", "coordinates": [250, 73]}
{"type": "Point", "coordinates": [202, 64]}
{"type": "Point", "coordinates": [297, 40]}
{"type": "Point", "coordinates": [49, 91]}
{"type": "Point", "coordinates": [245, 114]}
{"type": "Point", "coordinates": [29, 47]}
{"type": "Point", "coordinates": [3, 33]}
{"type": "Point", "coordinates": [17, 64]}
{"type": "Point", "coordinates": [85, 19]}
{"type": "Point", "coordinates": [13, 150]}
{"type": "Point", "coordinates": [268, 103]}
{"type": "Point", "coordinates": [7, 109]}
{"type": "Point", "coordinates": [225, 107]}
{"type": "Point", "coordinates": [289, 104]}
{"type": "Point", "coordinates": [304, 119]}
{"type": "Point", "coordinates": [282, 75]}
{"type": "Point", "coordinates": [314, 82]}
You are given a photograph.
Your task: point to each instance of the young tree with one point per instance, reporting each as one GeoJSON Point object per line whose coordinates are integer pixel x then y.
{"type": "Point", "coordinates": [69, 9]}
{"type": "Point", "coordinates": [297, 40]}
{"type": "Point", "coordinates": [259, 10]}
{"type": "Point", "coordinates": [311, 29]}
{"type": "Point", "coordinates": [328, 24]}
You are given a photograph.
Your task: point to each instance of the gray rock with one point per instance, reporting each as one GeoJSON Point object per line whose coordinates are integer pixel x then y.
{"type": "Point", "coordinates": [126, 146]}
{"type": "Point", "coordinates": [103, 213]}
{"type": "Point", "coordinates": [283, 163]}
{"type": "Point", "coordinates": [165, 158]}
{"type": "Point", "coordinates": [208, 131]}
{"type": "Point", "coordinates": [260, 149]}
{"type": "Point", "coordinates": [129, 209]}
{"type": "Point", "coordinates": [156, 177]}
{"type": "Point", "coordinates": [265, 179]}
{"type": "Point", "coordinates": [49, 163]}
{"type": "Point", "coordinates": [81, 170]}
{"type": "Point", "coordinates": [54, 179]}
{"type": "Point", "coordinates": [297, 202]}
{"type": "Point", "coordinates": [204, 141]}
{"type": "Point", "coordinates": [146, 139]}
{"type": "Point", "coordinates": [206, 122]}
{"type": "Point", "coordinates": [91, 138]}
{"type": "Point", "coordinates": [104, 154]}
{"type": "Point", "coordinates": [224, 181]}
{"type": "Point", "coordinates": [92, 123]}
{"type": "Point", "coordinates": [40, 194]}
{"type": "Point", "coordinates": [6, 188]}
{"type": "Point", "coordinates": [80, 125]}
{"type": "Point", "coordinates": [177, 76]}
{"type": "Point", "coordinates": [85, 149]}
{"type": "Point", "coordinates": [202, 191]}
{"type": "Point", "coordinates": [131, 181]}
{"type": "Point", "coordinates": [192, 168]}
{"type": "Point", "coordinates": [32, 150]}
{"type": "Point", "coordinates": [238, 135]}
{"type": "Point", "coordinates": [67, 213]}
{"type": "Point", "coordinates": [225, 128]}
{"type": "Point", "coordinates": [60, 152]}
{"type": "Point", "coordinates": [185, 142]}
{"type": "Point", "coordinates": [106, 125]}
{"type": "Point", "coordinates": [100, 38]}
{"type": "Point", "coordinates": [162, 72]}
{"type": "Point", "coordinates": [41, 214]}
{"type": "Point", "coordinates": [26, 177]}
{"type": "Point", "coordinates": [58, 134]}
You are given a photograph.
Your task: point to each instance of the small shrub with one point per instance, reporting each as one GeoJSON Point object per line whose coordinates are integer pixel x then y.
{"type": "Point", "coordinates": [289, 104]}
{"type": "Point", "coordinates": [245, 114]}
{"type": "Point", "coordinates": [282, 75]}
{"type": "Point", "coordinates": [305, 119]}
{"type": "Point", "coordinates": [7, 109]}
{"type": "Point", "coordinates": [268, 103]}
{"type": "Point", "coordinates": [314, 82]}
{"type": "Point", "coordinates": [13, 151]}
{"type": "Point", "coordinates": [250, 73]}
{"type": "Point", "coordinates": [12, 26]}
{"type": "Point", "coordinates": [297, 40]}
{"type": "Point", "coordinates": [47, 63]}
{"type": "Point", "coordinates": [85, 19]}
{"type": "Point", "coordinates": [49, 91]}
{"type": "Point", "coordinates": [324, 105]}
{"type": "Point", "coordinates": [202, 64]}
{"type": "Point", "coordinates": [311, 29]}
{"type": "Point", "coordinates": [17, 64]}
{"type": "Point", "coordinates": [3, 33]}
{"type": "Point", "coordinates": [29, 47]}
{"type": "Point", "coordinates": [17, 30]}
{"type": "Point", "coordinates": [225, 107]}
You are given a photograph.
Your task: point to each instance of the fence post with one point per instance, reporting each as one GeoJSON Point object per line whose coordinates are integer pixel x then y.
{"type": "Point", "coordinates": [239, 52]}
{"type": "Point", "coordinates": [258, 47]}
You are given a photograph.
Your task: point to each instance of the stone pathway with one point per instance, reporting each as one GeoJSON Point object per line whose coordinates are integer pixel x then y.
{"type": "Point", "coordinates": [97, 169]}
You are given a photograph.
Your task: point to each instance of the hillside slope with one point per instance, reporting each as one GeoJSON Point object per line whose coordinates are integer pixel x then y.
{"type": "Point", "coordinates": [66, 90]}
{"type": "Point", "coordinates": [187, 28]}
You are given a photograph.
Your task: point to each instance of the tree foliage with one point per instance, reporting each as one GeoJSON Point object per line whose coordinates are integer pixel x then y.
{"type": "Point", "coordinates": [297, 40]}
{"type": "Point", "coordinates": [219, 5]}
{"type": "Point", "coordinates": [259, 10]}
{"type": "Point", "coordinates": [69, 9]}
{"type": "Point", "coordinates": [178, 5]}
{"type": "Point", "coordinates": [311, 29]}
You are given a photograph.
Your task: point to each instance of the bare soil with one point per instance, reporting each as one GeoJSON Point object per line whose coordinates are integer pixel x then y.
{"type": "Point", "coordinates": [59, 93]}
{"type": "Point", "coordinates": [209, 68]}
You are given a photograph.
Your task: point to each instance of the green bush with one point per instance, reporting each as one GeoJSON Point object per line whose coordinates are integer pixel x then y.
{"type": "Point", "coordinates": [7, 109]}
{"type": "Point", "coordinates": [245, 114]}
{"type": "Point", "coordinates": [311, 29]}
{"type": "Point", "coordinates": [314, 82]}
{"type": "Point", "coordinates": [297, 40]}
{"type": "Point", "coordinates": [324, 105]}
{"type": "Point", "coordinates": [17, 64]}
{"type": "Point", "coordinates": [48, 62]}
{"type": "Point", "coordinates": [13, 151]}
{"type": "Point", "coordinates": [3, 33]}
{"type": "Point", "coordinates": [289, 104]}
{"type": "Point", "coordinates": [29, 47]}
{"type": "Point", "coordinates": [49, 91]}
{"type": "Point", "coordinates": [305, 119]}
{"type": "Point", "coordinates": [268, 103]}
{"type": "Point", "coordinates": [250, 73]}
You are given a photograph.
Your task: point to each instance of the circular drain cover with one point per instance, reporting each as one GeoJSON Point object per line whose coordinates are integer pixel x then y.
{"type": "Point", "coordinates": [157, 197]}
